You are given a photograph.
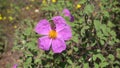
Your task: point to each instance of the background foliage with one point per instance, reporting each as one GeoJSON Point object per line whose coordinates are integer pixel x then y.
{"type": "Point", "coordinates": [96, 33]}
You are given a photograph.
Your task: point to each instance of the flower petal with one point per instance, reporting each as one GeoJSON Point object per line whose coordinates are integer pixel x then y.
{"type": "Point", "coordinates": [59, 22]}
{"type": "Point", "coordinates": [44, 43]}
{"type": "Point", "coordinates": [43, 27]}
{"type": "Point", "coordinates": [65, 33]}
{"type": "Point", "coordinates": [58, 45]}
{"type": "Point", "coordinates": [66, 12]}
{"type": "Point", "coordinates": [71, 18]}
{"type": "Point", "coordinates": [15, 66]}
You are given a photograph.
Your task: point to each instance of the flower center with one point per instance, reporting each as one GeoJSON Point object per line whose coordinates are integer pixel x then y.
{"type": "Point", "coordinates": [53, 34]}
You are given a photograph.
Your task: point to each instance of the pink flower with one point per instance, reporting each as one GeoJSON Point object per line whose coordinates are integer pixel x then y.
{"type": "Point", "coordinates": [56, 36]}
{"type": "Point", "coordinates": [15, 66]}
{"type": "Point", "coordinates": [67, 13]}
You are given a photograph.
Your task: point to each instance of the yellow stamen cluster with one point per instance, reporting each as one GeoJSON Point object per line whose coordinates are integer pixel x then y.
{"type": "Point", "coordinates": [53, 34]}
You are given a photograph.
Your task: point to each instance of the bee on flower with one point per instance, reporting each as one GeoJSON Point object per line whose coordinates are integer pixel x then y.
{"type": "Point", "coordinates": [53, 37]}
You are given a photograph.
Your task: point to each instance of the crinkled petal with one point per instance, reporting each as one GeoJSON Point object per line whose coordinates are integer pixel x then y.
{"type": "Point", "coordinates": [43, 27]}
{"type": "Point", "coordinates": [66, 12]}
{"type": "Point", "coordinates": [44, 43]}
{"type": "Point", "coordinates": [59, 22]}
{"type": "Point", "coordinates": [58, 45]}
{"type": "Point", "coordinates": [65, 33]}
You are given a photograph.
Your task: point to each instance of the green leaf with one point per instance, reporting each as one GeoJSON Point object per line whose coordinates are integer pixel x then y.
{"type": "Point", "coordinates": [69, 61]}
{"type": "Point", "coordinates": [116, 62]}
{"type": "Point", "coordinates": [75, 37]}
{"type": "Point", "coordinates": [31, 45]}
{"type": "Point", "coordinates": [106, 14]}
{"type": "Point", "coordinates": [103, 64]}
{"type": "Point", "coordinates": [111, 42]}
{"type": "Point", "coordinates": [82, 1]}
{"type": "Point", "coordinates": [102, 42]}
{"type": "Point", "coordinates": [85, 65]}
{"type": "Point", "coordinates": [88, 9]}
{"type": "Point", "coordinates": [27, 63]}
{"type": "Point", "coordinates": [75, 48]}
{"type": "Point", "coordinates": [96, 65]}
{"type": "Point", "coordinates": [27, 53]}
{"type": "Point", "coordinates": [100, 56]}
{"type": "Point", "coordinates": [94, 43]}
{"type": "Point", "coordinates": [118, 53]}
{"type": "Point", "coordinates": [110, 24]}
{"type": "Point", "coordinates": [111, 57]}
{"type": "Point", "coordinates": [117, 66]}
{"type": "Point", "coordinates": [38, 61]}
{"type": "Point", "coordinates": [94, 57]}
{"type": "Point", "coordinates": [27, 31]}
{"type": "Point", "coordinates": [29, 60]}
{"type": "Point", "coordinates": [98, 50]}
{"type": "Point", "coordinates": [97, 25]}
{"type": "Point", "coordinates": [81, 20]}
{"type": "Point", "coordinates": [104, 29]}
{"type": "Point", "coordinates": [100, 35]}
{"type": "Point", "coordinates": [83, 30]}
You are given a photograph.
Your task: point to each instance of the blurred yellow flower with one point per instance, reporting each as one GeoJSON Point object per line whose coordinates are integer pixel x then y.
{"type": "Point", "coordinates": [4, 18]}
{"type": "Point", "coordinates": [27, 8]}
{"type": "Point", "coordinates": [31, 5]}
{"type": "Point", "coordinates": [78, 6]}
{"type": "Point", "coordinates": [15, 26]}
{"type": "Point", "coordinates": [10, 18]}
{"type": "Point", "coordinates": [53, 1]}
{"type": "Point", "coordinates": [44, 2]}
{"type": "Point", "coordinates": [1, 18]}
{"type": "Point", "coordinates": [99, 4]}
{"type": "Point", "coordinates": [32, 0]}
